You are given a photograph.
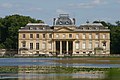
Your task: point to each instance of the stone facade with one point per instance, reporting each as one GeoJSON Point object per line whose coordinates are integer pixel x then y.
{"type": "Point", "coordinates": [64, 38]}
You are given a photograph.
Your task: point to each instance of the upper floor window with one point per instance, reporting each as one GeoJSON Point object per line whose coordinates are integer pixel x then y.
{"type": "Point", "coordinates": [104, 36]}
{"type": "Point", "coordinates": [63, 35]}
{"type": "Point", "coordinates": [84, 36]}
{"type": "Point", "coordinates": [23, 35]}
{"type": "Point", "coordinates": [50, 35]}
{"type": "Point", "coordinates": [43, 35]}
{"type": "Point", "coordinates": [70, 35]}
{"type": "Point", "coordinates": [96, 36]}
{"type": "Point", "coordinates": [31, 35]}
{"type": "Point", "coordinates": [77, 36]}
{"type": "Point", "coordinates": [57, 35]}
{"type": "Point", "coordinates": [37, 35]}
{"type": "Point", "coordinates": [90, 36]}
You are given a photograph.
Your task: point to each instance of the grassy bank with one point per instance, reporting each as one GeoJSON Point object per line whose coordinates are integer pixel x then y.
{"type": "Point", "coordinates": [50, 69]}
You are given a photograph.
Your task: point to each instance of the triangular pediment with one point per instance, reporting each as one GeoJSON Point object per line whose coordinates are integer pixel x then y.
{"type": "Point", "coordinates": [64, 29]}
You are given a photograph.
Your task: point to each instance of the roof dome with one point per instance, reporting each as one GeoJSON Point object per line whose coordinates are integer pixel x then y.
{"type": "Point", "coordinates": [64, 19]}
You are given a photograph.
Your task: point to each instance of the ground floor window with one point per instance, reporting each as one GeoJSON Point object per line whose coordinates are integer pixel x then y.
{"type": "Point", "coordinates": [84, 45]}
{"type": "Point", "coordinates": [90, 45]}
{"type": "Point", "coordinates": [37, 46]}
{"type": "Point", "coordinates": [77, 45]}
{"type": "Point", "coordinates": [96, 44]}
{"type": "Point", "coordinates": [50, 45]}
{"type": "Point", "coordinates": [31, 46]}
{"type": "Point", "coordinates": [23, 44]}
{"type": "Point", "coordinates": [43, 45]}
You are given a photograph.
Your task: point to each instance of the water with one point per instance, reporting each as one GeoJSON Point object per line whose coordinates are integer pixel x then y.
{"type": "Point", "coordinates": [50, 62]}
{"type": "Point", "coordinates": [82, 75]}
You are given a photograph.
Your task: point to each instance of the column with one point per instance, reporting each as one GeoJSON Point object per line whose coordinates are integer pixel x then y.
{"type": "Point", "coordinates": [73, 47]}
{"type": "Point", "coordinates": [60, 47]}
{"type": "Point", "coordinates": [67, 46]}
{"type": "Point", "coordinates": [54, 47]}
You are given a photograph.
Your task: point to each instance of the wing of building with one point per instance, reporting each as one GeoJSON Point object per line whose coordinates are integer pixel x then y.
{"type": "Point", "coordinates": [64, 38]}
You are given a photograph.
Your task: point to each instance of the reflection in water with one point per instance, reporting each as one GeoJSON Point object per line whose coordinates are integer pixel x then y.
{"type": "Point", "coordinates": [47, 69]}
{"type": "Point", "coordinates": [72, 76]}
{"type": "Point", "coordinates": [50, 73]}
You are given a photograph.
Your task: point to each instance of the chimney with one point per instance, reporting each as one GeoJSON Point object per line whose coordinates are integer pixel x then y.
{"type": "Point", "coordinates": [74, 21]}
{"type": "Point", "coordinates": [54, 21]}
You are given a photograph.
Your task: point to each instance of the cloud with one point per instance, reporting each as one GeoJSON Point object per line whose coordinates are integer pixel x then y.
{"type": "Point", "coordinates": [6, 5]}
{"type": "Point", "coordinates": [118, 1]}
{"type": "Point", "coordinates": [35, 9]}
{"type": "Point", "coordinates": [91, 4]}
{"type": "Point", "coordinates": [60, 11]}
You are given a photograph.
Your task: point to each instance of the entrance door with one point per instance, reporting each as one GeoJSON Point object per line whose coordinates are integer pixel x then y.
{"type": "Point", "coordinates": [57, 47]}
{"type": "Point", "coordinates": [70, 47]}
{"type": "Point", "coordinates": [64, 47]}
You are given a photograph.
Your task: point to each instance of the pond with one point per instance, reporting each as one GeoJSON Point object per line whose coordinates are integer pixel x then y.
{"type": "Point", "coordinates": [50, 68]}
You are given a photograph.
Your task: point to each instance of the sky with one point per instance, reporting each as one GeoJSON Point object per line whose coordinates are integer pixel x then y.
{"type": "Point", "coordinates": [46, 10]}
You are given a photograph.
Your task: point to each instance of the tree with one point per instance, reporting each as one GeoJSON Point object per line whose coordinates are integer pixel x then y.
{"type": "Point", "coordinates": [118, 23]}
{"type": "Point", "coordinates": [9, 27]}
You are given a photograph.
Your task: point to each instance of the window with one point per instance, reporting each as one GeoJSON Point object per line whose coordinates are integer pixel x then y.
{"type": "Point", "coordinates": [90, 36]}
{"type": "Point", "coordinates": [37, 28]}
{"type": "Point", "coordinates": [84, 36]}
{"type": "Point", "coordinates": [70, 35]}
{"type": "Point", "coordinates": [96, 36]}
{"type": "Point", "coordinates": [31, 46]}
{"type": "Point", "coordinates": [90, 45]}
{"type": "Point", "coordinates": [77, 45]}
{"type": "Point", "coordinates": [23, 44]}
{"type": "Point", "coordinates": [57, 35]}
{"type": "Point", "coordinates": [50, 35]}
{"type": "Point", "coordinates": [37, 35]}
{"type": "Point", "coordinates": [63, 35]}
{"type": "Point", "coordinates": [23, 35]}
{"type": "Point", "coordinates": [43, 45]}
{"type": "Point", "coordinates": [50, 45]}
{"type": "Point", "coordinates": [84, 45]}
{"type": "Point", "coordinates": [30, 28]}
{"type": "Point", "coordinates": [37, 46]}
{"type": "Point", "coordinates": [77, 36]}
{"type": "Point", "coordinates": [31, 35]}
{"type": "Point", "coordinates": [104, 36]}
{"type": "Point", "coordinates": [96, 44]}
{"type": "Point", "coordinates": [43, 35]}
{"type": "Point", "coordinates": [104, 44]}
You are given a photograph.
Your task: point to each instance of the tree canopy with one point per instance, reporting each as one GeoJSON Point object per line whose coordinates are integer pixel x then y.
{"type": "Point", "coordinates": [9, 27]}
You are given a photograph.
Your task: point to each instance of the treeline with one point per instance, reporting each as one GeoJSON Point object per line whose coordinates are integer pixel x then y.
{"type": "Point", "coordinates": [10, 25]}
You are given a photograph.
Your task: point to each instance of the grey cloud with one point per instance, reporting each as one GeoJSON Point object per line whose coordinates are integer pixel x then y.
{"type": "Point", "coordinates": [6, 5]}
{"type": "Point", "coordinates": [91, 4]}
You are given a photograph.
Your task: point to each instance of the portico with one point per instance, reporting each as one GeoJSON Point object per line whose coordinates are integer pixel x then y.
{"type": "Point", "coordinates": [64, 47]}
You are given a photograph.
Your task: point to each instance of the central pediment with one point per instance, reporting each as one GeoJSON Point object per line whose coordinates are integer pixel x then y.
{"type": "Point", "coordinates": [64, 29]}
